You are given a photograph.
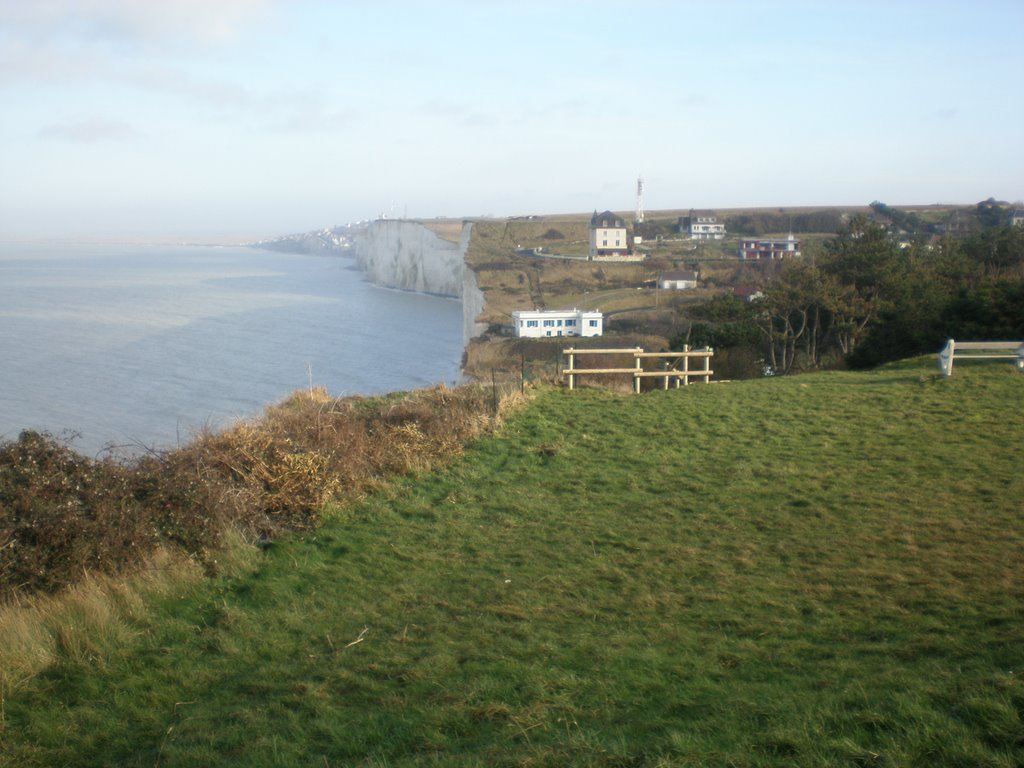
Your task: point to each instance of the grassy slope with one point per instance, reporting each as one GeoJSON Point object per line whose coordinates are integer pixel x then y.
{"type": "Point", "coordinates": [824, 570]}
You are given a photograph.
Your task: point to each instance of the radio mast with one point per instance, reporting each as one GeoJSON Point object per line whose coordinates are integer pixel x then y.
{"type": "Point", "coordinates": [639, 200]}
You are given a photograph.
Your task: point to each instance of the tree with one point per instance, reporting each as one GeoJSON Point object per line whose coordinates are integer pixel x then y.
{"type": "Point", "coordinates": [999, 251]}
{"type": "Point", "coordinates": [790, 314]}
{"type": "Point", "coordinates": [994, 310]}
{"type": "Point", "coordinates": [866, 266]}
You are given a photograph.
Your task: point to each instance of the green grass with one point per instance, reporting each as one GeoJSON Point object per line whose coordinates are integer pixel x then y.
{"type": "Point", "coordinates": [822, 571]}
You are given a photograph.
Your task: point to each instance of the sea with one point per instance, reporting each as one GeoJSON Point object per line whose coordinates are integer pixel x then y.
{"type": "Point", "coordinates": [122, 349]}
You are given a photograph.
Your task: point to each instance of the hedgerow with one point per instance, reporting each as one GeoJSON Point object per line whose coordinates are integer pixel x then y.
{"type": "Point", "coordinates": [63, 515]}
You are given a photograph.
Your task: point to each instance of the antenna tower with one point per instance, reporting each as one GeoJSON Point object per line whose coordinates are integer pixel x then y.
{"type": "Point", "coordinates": [640, 200]}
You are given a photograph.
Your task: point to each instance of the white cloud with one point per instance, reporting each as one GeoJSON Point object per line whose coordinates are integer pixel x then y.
{"type": "Point", "coordinates": [91, 131]}
{"type": "Point", "coordinates": [176, 81]}
{"type": "Point", "coordinates": [198, 19]}
{"type": "Point", "coordinates": [48, 63]}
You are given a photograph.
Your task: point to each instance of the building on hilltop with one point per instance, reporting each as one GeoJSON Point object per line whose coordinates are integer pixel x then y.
{"type": "Point", "coordinates": [960, 224]}
{"type": "Point", "coordinates": [756, 248]}
{"type": "Point", "coordinates": [609, 237]}
{"type": "Point", "coordinates": [678, 281]}
{"type": "Point", "coordinates": [538, 323]}
{"type": "Point", "coordinates": [702, 225]}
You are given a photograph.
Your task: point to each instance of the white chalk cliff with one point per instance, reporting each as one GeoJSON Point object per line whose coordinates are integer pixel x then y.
{"type": "Point", "coordinates": [409, 256]}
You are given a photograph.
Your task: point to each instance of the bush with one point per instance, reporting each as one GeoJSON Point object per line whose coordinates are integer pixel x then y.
{"type": "Point", "coordinates": [62, 515]}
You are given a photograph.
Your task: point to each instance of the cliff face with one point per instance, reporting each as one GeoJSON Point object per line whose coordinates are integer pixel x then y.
{"type": "Point", "coordinates": [410, 256]}
{"type": "Point", "coordinates": [407, 255]}
{"type": "Point", "coordinates": [472, 306]}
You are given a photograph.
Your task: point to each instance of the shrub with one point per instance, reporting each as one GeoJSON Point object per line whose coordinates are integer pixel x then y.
{"type": "Point", "coordinates": [62, 515]}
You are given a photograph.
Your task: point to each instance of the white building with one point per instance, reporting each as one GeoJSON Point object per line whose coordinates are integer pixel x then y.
{"type": "Point", "coordinates": [560, 322]}
{"type": "Point", "coordinates": [678, 281]}
{"type": "Point", "coordinates": [702, 225]}
{"type": "Point", "coordinates": [608, 236]}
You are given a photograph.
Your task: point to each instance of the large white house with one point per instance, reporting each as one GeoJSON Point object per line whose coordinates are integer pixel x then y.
{"type": "Point", "coordinates": [702, 225]}
{"type": "Point", "coordinates": [539, 323]}
{"type": "Point", "coordinates": [609, 237]}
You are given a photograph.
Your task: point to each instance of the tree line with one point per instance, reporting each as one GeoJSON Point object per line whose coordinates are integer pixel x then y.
{"type": "Point", "coordinates": [866, 300]}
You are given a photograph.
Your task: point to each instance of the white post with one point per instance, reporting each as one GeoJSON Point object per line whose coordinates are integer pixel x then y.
{"type": "Point", "coordinates": [572, 365]}
{"type": "Point", "coordinates": [946, 358]}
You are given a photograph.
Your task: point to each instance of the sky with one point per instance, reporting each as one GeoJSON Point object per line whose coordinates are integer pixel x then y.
{"type": "Point", "coordinates": [253, 118]}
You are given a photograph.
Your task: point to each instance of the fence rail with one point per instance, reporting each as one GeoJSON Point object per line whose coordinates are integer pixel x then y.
{"type": "Point", "coordinates": [980, 350]}
{"type": "Point", "coordinates": [676, 366]}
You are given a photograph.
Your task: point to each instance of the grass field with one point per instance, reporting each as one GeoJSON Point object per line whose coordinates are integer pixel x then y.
{"type": "Point", "coordinates": [823, 570]}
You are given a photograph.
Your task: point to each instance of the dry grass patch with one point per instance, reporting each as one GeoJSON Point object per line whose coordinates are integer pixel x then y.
{"type": "Point", "coordinates": [446, 229]}
{"type": "Point", "coordinates": [88, 621]}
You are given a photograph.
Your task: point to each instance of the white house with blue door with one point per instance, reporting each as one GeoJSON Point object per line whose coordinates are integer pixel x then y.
{"type": "Point", "coordinates": [559, 322]}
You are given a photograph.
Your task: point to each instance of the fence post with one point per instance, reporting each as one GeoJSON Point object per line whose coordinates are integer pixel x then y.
{"type": "Point", "coordinates": [946, 358]}
{"type": "Point", "coordinates": [572, 365]}
{"type": "Point", "coordinates": [494, 396]}
{"type": "Point", "coordinates": [686, 365]}
{"type": "Point", "coordinates": [636, 378]}
{"type": "Point", "coordinates": [707, 364]}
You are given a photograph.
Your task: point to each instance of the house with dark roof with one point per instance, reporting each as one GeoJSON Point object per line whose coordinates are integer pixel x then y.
{"type": "Point", "coordinates": [960, 224]}
{"type": "Point", "coordinates": [702, 225]}
{"type": "Point", "coordinates": [609, 237]}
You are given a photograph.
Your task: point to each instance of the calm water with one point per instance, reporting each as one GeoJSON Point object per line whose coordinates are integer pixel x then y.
{"type": "Point", "coordinates": [141, 346]}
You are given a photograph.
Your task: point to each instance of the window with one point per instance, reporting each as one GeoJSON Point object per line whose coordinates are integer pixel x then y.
{"type": "Point", "coordinates": [558, 323]}
{"type": "Point", "coordinates": [604, 242]}
{"type": "Point", "coordinates": [570, 322]}
{"type": "Point", "coordinates": [593, 323]}
{"type": "Point", "coordinates": [531, 323]}
{"type": "Point", "coordinates": [549, 323]}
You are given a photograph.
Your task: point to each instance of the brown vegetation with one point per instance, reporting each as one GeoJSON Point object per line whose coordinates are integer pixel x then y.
{"type": "Point", "coordinates": [63, 515]}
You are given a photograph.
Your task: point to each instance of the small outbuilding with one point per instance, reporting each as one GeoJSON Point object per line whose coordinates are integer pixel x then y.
{"type": "Point", "coordinates": [678, 281]}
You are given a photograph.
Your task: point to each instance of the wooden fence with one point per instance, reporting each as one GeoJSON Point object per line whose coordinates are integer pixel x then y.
{"type": "Point", "coordinates": [675, 368]}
